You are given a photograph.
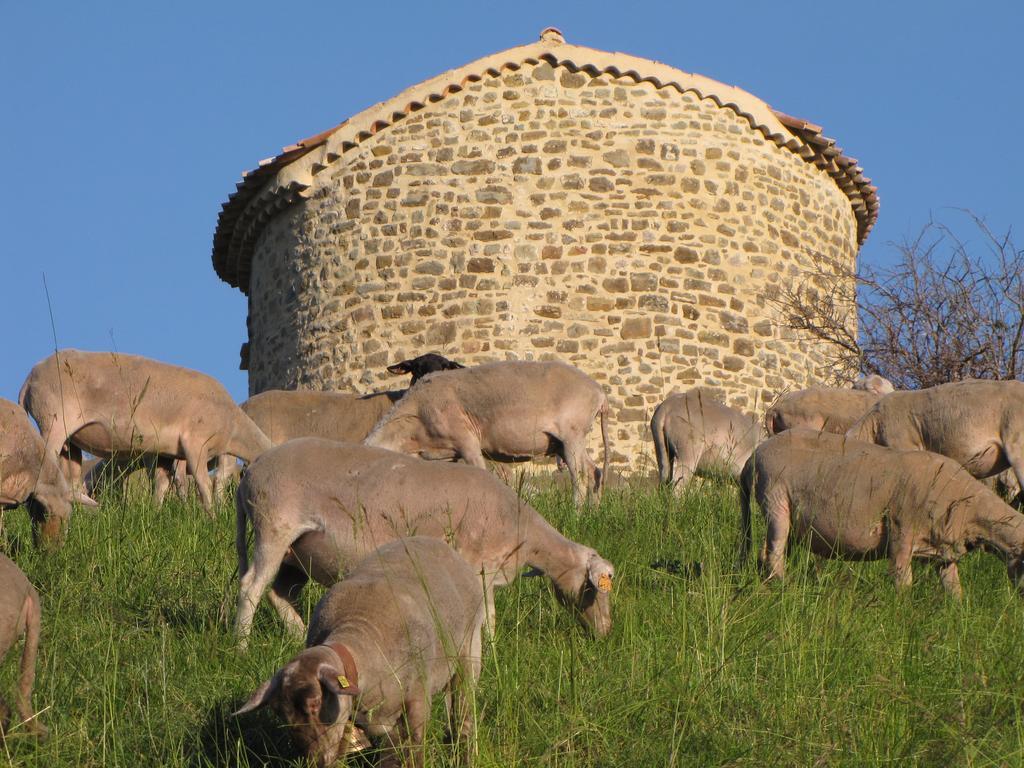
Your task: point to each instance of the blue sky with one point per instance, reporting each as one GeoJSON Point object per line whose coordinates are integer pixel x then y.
{"type": "Point", "coordinates": [124, 126]}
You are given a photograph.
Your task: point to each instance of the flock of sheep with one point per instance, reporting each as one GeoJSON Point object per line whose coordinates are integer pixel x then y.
{"type": "Point", "coordinates": [336, 485]}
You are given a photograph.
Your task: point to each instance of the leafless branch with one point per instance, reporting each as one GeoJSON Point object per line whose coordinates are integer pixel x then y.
{"type": "Point", "coordinates": [947, 308]}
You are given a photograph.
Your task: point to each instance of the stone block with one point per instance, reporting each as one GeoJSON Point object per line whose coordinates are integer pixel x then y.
{"type": "Point", "coordinates": [441, 333]}
{"type": "Point", "coordinates": [732, 322]}
{"type": "Point", "coordinates": [707, 300]}
{"type": "Point", "coordinates": [494, 195]}
{"type": "Point", "coordinates": [431, 267]}
{"type": "Point", "coordinates": [636, 328]}
{"type": "Point", "coordinates": [362, 315]}
{"type": "Point", "coordinates": [415, 198]}
{"type": "Point", "coordinates": [686, 255]}
{"type": "Point", "coordinates": [643, 281]}
{"type": "Point", "coordinates": [600, 304]}
{"type": "Point", "coordinates": [572, 79]}
{"type": "Point", "coordinates": [669, 345]}
{"type": "Point", "coordinates": [527, 165]}
{"type": "Point", "coordinates": [480, 265]}
{"type": "Point", "coordinates": [715, 338]}
{"type": "Point", "coordinates": [425, 169]}
{"type": "Point", "coordinates": [473, 167]}
{"type": "Point", "coordinates": [653, 301]}
{"type": "Point", "coordinates": [743, 347]}
{"type": "Point", "coordinates": [423, 283]}
{"type": "Point", "coordinates": [543, 72]}
{"type": "Point", "coordinates": [627, 415]}
{"type": "Point", "coordinates": [490, 235]}
{"type": "Point", "coordinates": [619, 158]}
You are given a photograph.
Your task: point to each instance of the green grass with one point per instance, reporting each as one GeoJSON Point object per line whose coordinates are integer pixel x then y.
{"type": "Point", "coordinates": [138, 665]}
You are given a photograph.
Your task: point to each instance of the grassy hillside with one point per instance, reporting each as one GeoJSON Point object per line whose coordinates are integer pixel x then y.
{"type": "Point", "coordinates": [703, 667]}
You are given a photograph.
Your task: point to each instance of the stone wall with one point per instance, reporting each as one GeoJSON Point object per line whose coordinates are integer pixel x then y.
{"type": "Point", "coordinates": [547, 213]}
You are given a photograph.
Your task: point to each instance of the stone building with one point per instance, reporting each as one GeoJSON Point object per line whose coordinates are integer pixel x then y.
{"type": "Point", "coordinates": [549, 201]}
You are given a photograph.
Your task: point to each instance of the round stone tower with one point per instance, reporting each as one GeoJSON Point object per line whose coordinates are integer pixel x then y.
{"type": "Point", "coordinates": [547, 202]}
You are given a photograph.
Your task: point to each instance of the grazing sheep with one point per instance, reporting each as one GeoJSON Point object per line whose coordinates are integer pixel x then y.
{"type": "Point", "coordinates": [978, 423]}
{"type": "Point", "coordinates": [107, 403]}
{"type": "Point", "coordinates": [508, 411]}
{"type": "Point", "coordinates": [116, 473]}
{"type": "Point", "coordinates": [424, 364]}
{"type": "Point", "coordinates": [404, 625]}
{"type": "Point", "coordinates": [287, 414]}
{"type": "Point", "coordinates": [856, 500]}
{"type": "Point", "coordinates": [694, 433]}
{"type": "Point", "coordinates": [828, 409]}
{"type": "Point", "coordinates": [317, 506]}
{"type": "Point", "coordinates": [28, 473]}
{"type": "Point", "coordinates": [874, 383]}
{"type": "Point", "coordinates": [19, 615]}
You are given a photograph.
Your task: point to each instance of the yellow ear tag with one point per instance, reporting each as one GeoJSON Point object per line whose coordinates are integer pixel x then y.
{"type": "Point", "coordinates": [604, 582]}
{"type": "Point", "coordinates": [343, 681]}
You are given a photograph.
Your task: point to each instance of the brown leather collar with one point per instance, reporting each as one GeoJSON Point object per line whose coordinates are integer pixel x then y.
{"type": "Point", "coordinates": [347, 662]}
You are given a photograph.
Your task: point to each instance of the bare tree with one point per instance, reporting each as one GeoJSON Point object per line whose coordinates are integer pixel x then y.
{"type": "Point", "coordinates": [946, 309]}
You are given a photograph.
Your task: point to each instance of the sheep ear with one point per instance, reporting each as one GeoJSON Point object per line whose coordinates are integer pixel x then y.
{"type": "Point", "coordinates": [333, 681]}
{"type": "Point", "coordinates": [263, 696]}
{"type": "Point", "coordinates": [397, 368]}
{"type": "Point", "coordinates": [85, 500]}
{"type": "Point", "coordinates": [600, 573]}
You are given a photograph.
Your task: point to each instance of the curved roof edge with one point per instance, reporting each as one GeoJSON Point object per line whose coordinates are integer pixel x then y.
{"type": "Point", "coordinates": [279, 181]}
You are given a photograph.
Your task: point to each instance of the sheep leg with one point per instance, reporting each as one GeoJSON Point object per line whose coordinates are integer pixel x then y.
{"type": "Point", "coordinates": [663, 453]}
{"type": "Point", "coordinates": [573, 453]}
{"type": "Point", "coordinates": [461, 688]}
{"type": "Point", "coordinates": [414, 728]}
{"type": "Point", "coordinates": [684, 464]}
{"type": "Point", "coordinates": [266, 560]}
{"type": "Point", "coordinates": [949, 574]}
{"type": "Point", "coordinates": [489, 618]}
{"type": "Point", "coordinates": [222, 475]}
{"type": "Point", "coordinates": [901, 550]}
{"type": "Point", "coordinates": [777, 519]}
{"type": "Point", "coordinates": [28, 666]}
{"type": "Point", "coordinates": [74, 469]}
{"type": "Point", "coordinates": [195, 460]}
{"type": "Point", "coordinates": [179, 474]}
{"type": "Point", "coordinates": [469, 451]}
{"type": "Point", "coordinates": [55, 436]}
{"type": "Point", "coordinates": [161, 479]}
{"type": "Point", "coordinates": [403, 745]}
{"type": "Point", "coordinates": [284, 596]}
{"type": "Point", "coordinates": [1015, 456]}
